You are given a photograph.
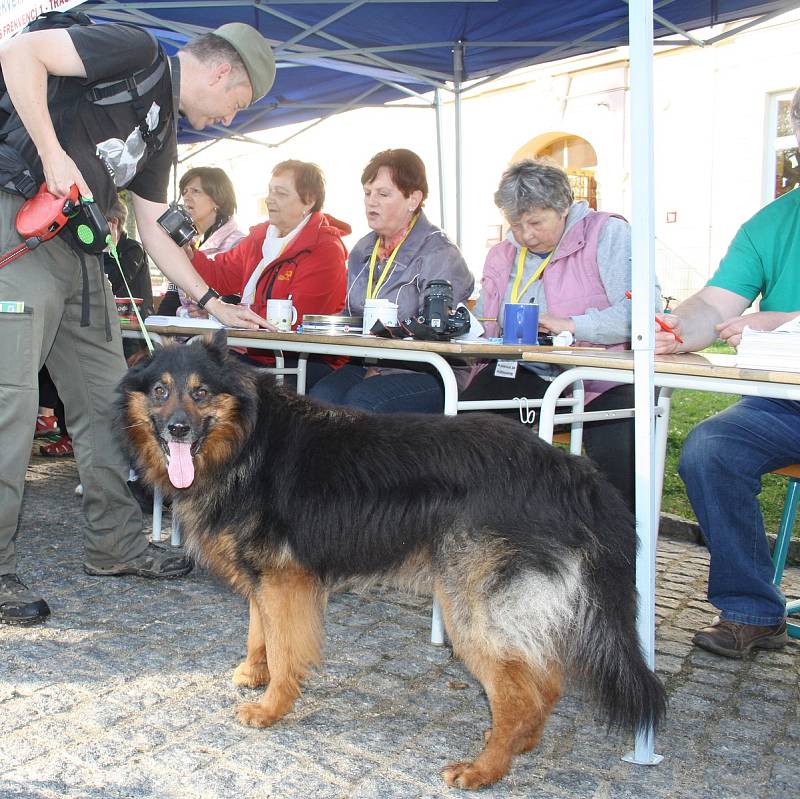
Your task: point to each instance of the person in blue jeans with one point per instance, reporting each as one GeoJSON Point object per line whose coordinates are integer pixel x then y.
{"type": "Point", "coordinates": [396, 261]}
{"type": "Point", "coordinates": [725, 456]}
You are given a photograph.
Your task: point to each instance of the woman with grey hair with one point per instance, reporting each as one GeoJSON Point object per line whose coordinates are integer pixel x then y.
{"type": "Point", "coordinates": [575, 264]}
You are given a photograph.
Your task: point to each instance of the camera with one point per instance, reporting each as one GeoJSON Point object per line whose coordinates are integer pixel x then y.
{"type": "Point", "coordinates": [177, 224]}
{"type": "Point", "coordinates": [437, 303]}
{"type": "Point", "coordinates": [437, 320]}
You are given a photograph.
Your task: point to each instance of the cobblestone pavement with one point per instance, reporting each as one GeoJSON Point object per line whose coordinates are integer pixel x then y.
{"type": "Point", "coordinates": [126, 692]}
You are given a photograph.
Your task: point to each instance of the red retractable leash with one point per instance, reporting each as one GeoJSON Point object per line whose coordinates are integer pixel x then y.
{"type": "Point", "coordinates": [41, 218]}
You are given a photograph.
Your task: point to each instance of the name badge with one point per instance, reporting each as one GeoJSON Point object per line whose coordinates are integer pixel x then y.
{"type": "Point", "coordinates": [506, 369]}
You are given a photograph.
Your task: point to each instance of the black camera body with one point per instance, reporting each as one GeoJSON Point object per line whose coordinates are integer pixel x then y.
{"type": "Point", "coordinates": [437, 320]}
{"type": "Point", "coordinates": [177, 224]}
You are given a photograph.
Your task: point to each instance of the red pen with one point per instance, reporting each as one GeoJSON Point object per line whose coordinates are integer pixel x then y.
{"type": "Point", "coordinates": [665, 327]}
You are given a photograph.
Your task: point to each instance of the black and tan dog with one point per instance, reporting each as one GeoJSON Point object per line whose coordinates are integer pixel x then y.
{"type": "Point", "coordinates": [529, 551]}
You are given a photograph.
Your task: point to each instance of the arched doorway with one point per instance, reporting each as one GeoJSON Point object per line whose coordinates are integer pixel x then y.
{"type": "Point", "coordinates": [573, 154]}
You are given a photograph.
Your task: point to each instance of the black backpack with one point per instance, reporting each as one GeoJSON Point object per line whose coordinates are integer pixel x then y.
{"type": "Point", "coordinates": [16, 175]}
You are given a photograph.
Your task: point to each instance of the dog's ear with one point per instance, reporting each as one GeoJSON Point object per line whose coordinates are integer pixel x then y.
{"type": "Point", "coordinates": [218, 344]}
{"type": "Point", "coordinates": [143, 355]}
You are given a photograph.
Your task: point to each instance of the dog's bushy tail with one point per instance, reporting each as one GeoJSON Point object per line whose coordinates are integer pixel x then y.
{"type": "Point", "coordinates": [605, 652]}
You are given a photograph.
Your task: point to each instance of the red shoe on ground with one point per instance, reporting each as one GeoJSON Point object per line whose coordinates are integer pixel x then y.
{"type": "Point", "coordinates": [58, 449]}
{"type": "Point", "coordinates": [45, 425]}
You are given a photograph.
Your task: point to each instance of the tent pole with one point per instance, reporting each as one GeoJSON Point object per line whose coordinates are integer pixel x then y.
{"type": "Point", "coordinates": [458, 72]}
{"type": "Point", "coordinates": [437, 104]}
{"type": "Point", "coordinates": [640, 21]}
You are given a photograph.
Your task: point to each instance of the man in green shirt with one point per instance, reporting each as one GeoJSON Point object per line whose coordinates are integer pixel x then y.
{"type": "Point", "coordinates": [724, 457]}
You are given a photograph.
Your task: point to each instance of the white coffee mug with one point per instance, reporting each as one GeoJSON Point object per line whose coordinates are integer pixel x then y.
{"type": "Point", "coordinates": [282, 314]}
{"type": "Point", "coordinates": [383, 310]}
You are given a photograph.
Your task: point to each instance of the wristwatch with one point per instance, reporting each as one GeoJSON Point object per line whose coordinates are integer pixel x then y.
{"type": "Point", "coordinates": [207, 296]}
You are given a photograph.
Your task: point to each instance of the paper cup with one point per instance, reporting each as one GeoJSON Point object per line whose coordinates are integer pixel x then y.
{"type": "Point", "coordinates": [384, 311]}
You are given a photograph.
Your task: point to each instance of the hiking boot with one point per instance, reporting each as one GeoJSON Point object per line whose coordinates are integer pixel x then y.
{"type": "Point", "coordinates": [156, 562]}
{"type": "Point", "coordinates": [18, 605]}
{"type": "Point", "coordinates": [734, 640]}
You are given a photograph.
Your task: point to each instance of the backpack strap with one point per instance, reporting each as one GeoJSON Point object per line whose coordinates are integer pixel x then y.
{"type": "Point", "coordinates": [21, 182]}
{"type": "Point", "coordinates": [120, 91]}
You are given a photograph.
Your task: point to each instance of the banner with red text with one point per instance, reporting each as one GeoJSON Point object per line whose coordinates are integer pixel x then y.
{"type": "Point", "coordinates": [16, 14]}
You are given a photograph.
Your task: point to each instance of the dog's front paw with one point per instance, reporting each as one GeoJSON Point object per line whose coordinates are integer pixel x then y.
{"type": "Point", "coordinates": [254, 714]}
{"type": "Point", "coordinates": [251, 675]}
{"type": "Point", "coordinates": [467, 775]}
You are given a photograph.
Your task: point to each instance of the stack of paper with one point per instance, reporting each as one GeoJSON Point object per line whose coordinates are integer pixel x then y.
{"type": "Point", "coordinates": [182, 321]}
{"type": "Point", "coordinates": [771, 349]}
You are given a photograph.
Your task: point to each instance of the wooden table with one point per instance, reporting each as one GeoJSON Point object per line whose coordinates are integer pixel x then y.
{"type": "Point", "coordinates": [441, 355]}
{"type": "Point", "coordinates": [689, 370]}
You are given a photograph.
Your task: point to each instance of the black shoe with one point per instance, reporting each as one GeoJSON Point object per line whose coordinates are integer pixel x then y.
{"type": "Point", "coordinates": [734, 640]}
{"type": "Point", "coordinates": [18, 605]}
{"type": "Point", "coordinates": [156, 562]}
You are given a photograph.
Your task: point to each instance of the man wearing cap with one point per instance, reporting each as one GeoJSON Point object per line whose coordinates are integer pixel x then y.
{"type": "Point", "coordinates": [65, 137]}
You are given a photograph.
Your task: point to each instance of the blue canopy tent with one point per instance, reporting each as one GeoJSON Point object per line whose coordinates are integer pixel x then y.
{"type": "Point", "coordinates": [334, 55]}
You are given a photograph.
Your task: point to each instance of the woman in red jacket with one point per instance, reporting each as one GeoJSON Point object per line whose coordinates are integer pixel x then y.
{"type": "Point", "coordinates": [299, 252]}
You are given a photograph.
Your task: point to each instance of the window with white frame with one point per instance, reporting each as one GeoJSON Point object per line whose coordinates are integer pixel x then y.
{"type": "Point", "coordinates": [785, 159]}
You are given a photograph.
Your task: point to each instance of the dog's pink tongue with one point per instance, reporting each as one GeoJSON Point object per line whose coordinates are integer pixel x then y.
{"type": "Point", "coordinates": [180, 467]}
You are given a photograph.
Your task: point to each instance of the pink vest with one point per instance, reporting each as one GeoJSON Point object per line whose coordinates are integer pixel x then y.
{"type": "Point", "coordinates": [571, 282]}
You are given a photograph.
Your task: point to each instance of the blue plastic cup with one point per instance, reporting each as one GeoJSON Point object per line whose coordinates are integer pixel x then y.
{"type": "Point", "coordinates": [520, 323]}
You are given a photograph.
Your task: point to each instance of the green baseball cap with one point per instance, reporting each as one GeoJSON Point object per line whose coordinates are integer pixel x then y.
{"type": "Point", "coordinates": [255, 52]}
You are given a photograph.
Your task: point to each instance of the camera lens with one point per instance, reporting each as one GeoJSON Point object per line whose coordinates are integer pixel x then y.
{"type": "Point", "coordinates": [437, 303]}
{"type": "Point", "coordinates": [440, 288]}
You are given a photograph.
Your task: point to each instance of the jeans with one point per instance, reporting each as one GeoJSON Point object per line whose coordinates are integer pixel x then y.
{"type": "Point", "coordinates": [396, 392]}
{"type": "Point", "coordinates": [722, 463]}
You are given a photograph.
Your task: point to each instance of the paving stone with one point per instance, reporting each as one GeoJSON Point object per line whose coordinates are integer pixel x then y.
{"type": "Point", "coordinates": [714, 693]}
{"type": "Point", "coordinates": [571, 780]}
{"type": "Point", "coordinates": [668, 664]}
{"type": "Point", "coordinates": [388, 786]}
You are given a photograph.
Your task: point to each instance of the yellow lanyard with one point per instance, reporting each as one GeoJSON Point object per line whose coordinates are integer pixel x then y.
{"type": "Point", "coordinates": [371, 295]}
{"type": "Point", "coordinates": [515, 292]}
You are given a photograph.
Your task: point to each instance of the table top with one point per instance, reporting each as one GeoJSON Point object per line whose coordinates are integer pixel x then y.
{"type": "Point", "coordinates": [685, 363]}
{"type": "Point", "coordinates": [468, 349]}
